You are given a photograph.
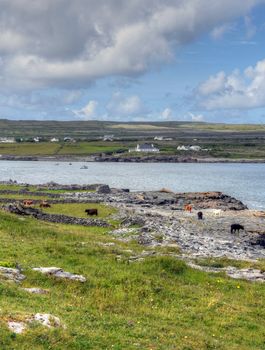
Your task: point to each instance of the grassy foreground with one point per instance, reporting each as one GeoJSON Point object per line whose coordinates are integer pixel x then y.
{"type": "Point", "coordinates": [159, 303]}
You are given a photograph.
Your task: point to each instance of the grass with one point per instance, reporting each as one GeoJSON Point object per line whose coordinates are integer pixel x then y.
{"type": "Point", "coordinates": [23, 196]}
{"type": "Point", "coordinates": [32, 188]}
{"type": "Point", "coordinates": [51, 149]}
{"type": "Point", "coordinates": [225, 262]}
{"type": "Point", "coordinates": [29, 149]}
{"type": "Point", "coordinates": [236, 147]}
{"type": "Point", "coordinates": [89, 148]}
{"type": "Point", "coordinates": [78, 209]}
{"type": "Point", "coordinates": [156, 304]}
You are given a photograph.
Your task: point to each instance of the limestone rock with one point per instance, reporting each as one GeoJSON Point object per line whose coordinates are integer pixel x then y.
{"type": "Point", "coordinates": [11, 274]}
{"type": "Point", "coordinates": [36, 290]}
{"type": "Point", "coordinates": [104, 189]}
{"type": "Point", "coordinates": [17, 327]}
{"type": "Point", "coordinates": [47, 320]}
{"type": "Point", "coordinates": [59, 273]}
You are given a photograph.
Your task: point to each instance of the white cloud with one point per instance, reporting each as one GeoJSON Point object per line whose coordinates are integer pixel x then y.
{"type": "Point", "coordinates": [213, 84]}
{"type": "Point", "coordinates": [250, 28]}
{"type": "Point", "coordinates": [218, 32]}
{"type": "Point", "coordinates": [244, 90]}
{"type": "Point", "coordinates": [125, 106]}
{"type": "Point", "coordinates": [88, 112]}
{"type": "Point", "coordinates": [73, 43]}
{"type": "Point", "coordinates": [197, 117]}
{"type": "Point", "coordinates": [167, 114]}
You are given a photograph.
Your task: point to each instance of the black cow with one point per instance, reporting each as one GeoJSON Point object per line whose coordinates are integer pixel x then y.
{"type": "Point", "coordinates": [236, 227]}
{"type": "Point", "coordinates": [200, 215]}
{"type": "Point", "coordinates": [92, 212]}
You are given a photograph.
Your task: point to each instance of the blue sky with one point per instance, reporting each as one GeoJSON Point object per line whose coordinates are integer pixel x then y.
{"type": "Point", "coordinates": [133, 60]}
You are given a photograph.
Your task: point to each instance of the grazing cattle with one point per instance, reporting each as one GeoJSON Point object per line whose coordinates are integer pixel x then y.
{"type": "Point", "coordinates": [188, 207]}
{"type": "Point", "coordinates": [216, 212]}
{"type": "Point", "coordinates": [91, 212]}
{"type": "Point", "coordinates": [45, 204]}
{"type": "Point", "coordinates": [236, 227]}
{"type": "Point", "coordinates": [200, 215]}
{"type": "Point", "coordinates": [27, 202]}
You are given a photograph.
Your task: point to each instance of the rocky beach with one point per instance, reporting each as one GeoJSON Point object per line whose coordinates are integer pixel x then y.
{"type": "Point", "coordinates": [159, 219]}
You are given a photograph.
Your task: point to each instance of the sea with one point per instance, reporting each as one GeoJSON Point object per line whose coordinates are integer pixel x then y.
{"type": "Point", "coordinates": [244, 181]}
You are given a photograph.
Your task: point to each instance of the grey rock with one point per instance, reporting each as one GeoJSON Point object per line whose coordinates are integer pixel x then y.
{"type": "Point", "coordinates": [36, 290]}
{"type": "Point", "coordinates": [103, 189]}
{"type": "Point", "coordinates": [46, 320]}
{"type": "Point", "coordinates": [16, 327]}
{"type": "Point", "coordinates": [59, 273]}
{"type": "Point", "coordinates": [11, 274]}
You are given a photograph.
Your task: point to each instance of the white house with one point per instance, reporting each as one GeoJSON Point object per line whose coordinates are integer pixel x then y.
{"type": "Point", "coordinates": [194, 148]}
{"type": "Point", "coordinates": [7, 140]}
{"type": "Point", "coordinates": [183, 148]}
{"type": "Point", "coordinates": [145, 148]}
{"type": "Point", "coordinates": [162, 138]}
{"type": "Point", "coordinates": [108, 137]}
{"type": "Point", "coordinates": [69, 139]}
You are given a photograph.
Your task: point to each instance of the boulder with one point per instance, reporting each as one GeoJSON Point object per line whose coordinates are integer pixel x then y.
{"type": "Point", "coordinates": [103, 189]}
{"type": "Point", "coordinates": [11, 274]}
{"type": "Point", "coordinates": [16, 327]}
{"type": "Point", "coordinates": [36, 290]}
{"type": "Point", "coordinates": [46, 320]}
{"type": "Point", "coordinates": [59, 273]}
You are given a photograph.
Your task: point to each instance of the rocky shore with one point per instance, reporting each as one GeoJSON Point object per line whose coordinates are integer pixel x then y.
{"type": "Point", "coordinates": [132, 159]}
{"type": "Point", "coordinates": [158, 219]}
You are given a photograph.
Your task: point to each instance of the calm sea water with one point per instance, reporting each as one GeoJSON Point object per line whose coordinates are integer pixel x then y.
{"type": "Point", "coordinates": [244, 181]}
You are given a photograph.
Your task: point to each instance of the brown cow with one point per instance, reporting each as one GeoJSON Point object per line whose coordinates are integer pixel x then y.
{"type": "Point", "coordinates": [92, 212]}
{"type": "Point", "coordinates": [27, 202]}
{"type": "Point", "coordinates": [188, 207]}
{"type": "Point", "coordinates": [45, 204]}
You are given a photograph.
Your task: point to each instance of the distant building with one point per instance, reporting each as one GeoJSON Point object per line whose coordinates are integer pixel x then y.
{"type": "Point", "coordinates": [145, 148]}
{"type": "Point", "coordinates": [158, 138]}
{"type": "Point", "coordinates": [183, 148]}
{"type": "Point", "coordinates": [54, 139]}
{"type": "Point", "coordinates": [7, 140]}
{"type": "Point", "coordinates": [194, 148]}
{"type": "Point", "coordinates": [108, 137]}
{"type": "Point", "coordinates": [69, 139]}
{"type": "Point", "coordinates": [162, 138]}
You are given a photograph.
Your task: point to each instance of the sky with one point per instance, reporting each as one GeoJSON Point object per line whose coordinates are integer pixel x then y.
{"type": "Point", "coordinates": [133, 60]}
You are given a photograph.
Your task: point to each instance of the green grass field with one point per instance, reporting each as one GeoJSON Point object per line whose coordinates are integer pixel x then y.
{"type": "Point", "coordinates": [51, 149]}
{"type": "Point", "coordinates": [78, 209]}
{"type": "Point", "coordinates": [159, 303]}
{"type": "Point", "coordinates": [218, 148]}
{"type": "Point", "coordinates": [231, 141]}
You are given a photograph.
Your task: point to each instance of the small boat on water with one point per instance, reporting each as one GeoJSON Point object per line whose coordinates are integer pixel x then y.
{"type": "Point", "coordinates": [84, 167]}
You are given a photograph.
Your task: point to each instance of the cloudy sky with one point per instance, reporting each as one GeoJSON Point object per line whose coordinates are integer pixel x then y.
{"type": "Point", "coordinates": [138, 60]}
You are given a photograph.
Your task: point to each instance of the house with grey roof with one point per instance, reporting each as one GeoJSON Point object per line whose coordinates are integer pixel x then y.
{"type": "Point", "coordinates": [145, 148]}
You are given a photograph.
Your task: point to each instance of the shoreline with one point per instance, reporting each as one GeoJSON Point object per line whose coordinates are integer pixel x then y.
{"type": "Point", "coordinates": [145, 159]}
{"type": "Point", "coordinates": [160, 219]}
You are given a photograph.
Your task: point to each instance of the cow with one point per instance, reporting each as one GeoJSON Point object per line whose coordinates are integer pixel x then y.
{"type": "Point", "coordinates": [91, 212]}
{"type": "Point", "coordinates": [27, 202]}
{"type": "Point", "coordinates": [45, 204]}
{"type": "Point", "coordinates": [236, 227]}
{"type": "Point", "coordinates": [200, 215]}
{"type": "Point", "coordinates": [188, 207]}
